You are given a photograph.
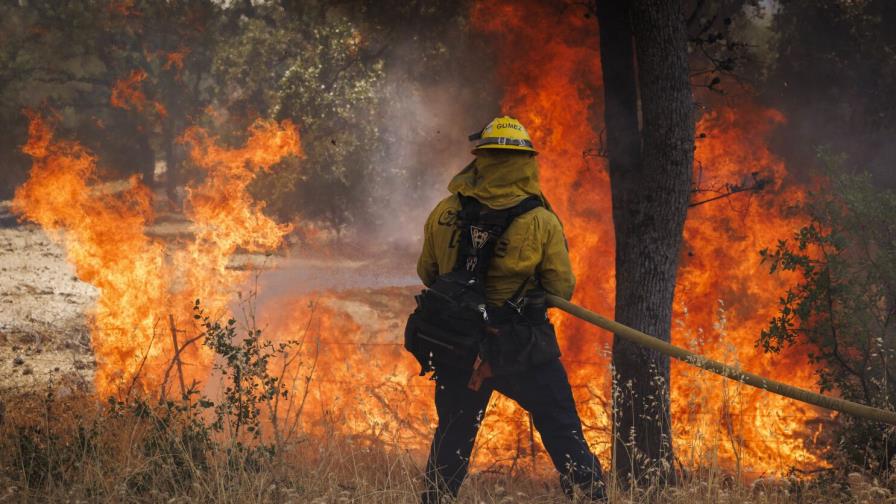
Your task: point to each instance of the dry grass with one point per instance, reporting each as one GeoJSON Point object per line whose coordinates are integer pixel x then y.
{"type": "Point", "coordinates": [63, 445]}
{"type": "Point", "coordinates": [72, 449]}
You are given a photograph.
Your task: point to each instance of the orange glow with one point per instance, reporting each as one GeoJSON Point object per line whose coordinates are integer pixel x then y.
{"type": "Point", "coordinates": [123, 8]}
{"type": "Point", "coordinates": [160, 109]}
{"type": "Point", "coordinates": [175, 59]}
{"type": "Point", "coordinates": [556, 90]}
{"type": "Point", "coordinates": [365, 387]}
{"type": "Point", "coordinates": [140, 280]}
{"type": "Point", "coordinates": [127, 92]}
{"type": "Point", "coordinates": [351, 377]}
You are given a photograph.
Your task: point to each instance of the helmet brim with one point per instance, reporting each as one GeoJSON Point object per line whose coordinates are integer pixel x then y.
{"type": "Point", "coordinates": [504, 147]}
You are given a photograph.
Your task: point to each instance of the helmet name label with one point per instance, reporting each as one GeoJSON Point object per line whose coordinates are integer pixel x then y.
{"type": "Point", "coordinates": [509, 125]}
{"type": "Point", "coordinates": [503, 133]}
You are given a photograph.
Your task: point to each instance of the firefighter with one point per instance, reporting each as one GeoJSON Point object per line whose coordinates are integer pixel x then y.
{"type": "Point", "coordinates": [532, 252]}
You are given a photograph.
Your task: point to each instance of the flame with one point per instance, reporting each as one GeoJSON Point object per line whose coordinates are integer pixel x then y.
{"type": "Point", "coordinates": [363, 386]}
{"type": "Point", "coordinates": [555, 90]}
{"type": "Point", "coordinates": [226, 217]}
{"type": "Point", "coordinates": [351, 377]}
{"type": "Point", "coordinates": [127, 92]}
{"type": "Point", "coordinates": [174, 60]}
{"type": "Point", "coordinates": [723, 287]}
{"type": "Point", "coordinates": [124, 8]}
{"type": "Point", "coordinates": [140, 282]}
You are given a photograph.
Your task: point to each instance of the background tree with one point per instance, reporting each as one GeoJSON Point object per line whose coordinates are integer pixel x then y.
{"type": "Point", "coordinates": [832, 70]}
{"type": "Point", "coordinates": [48, 58]}
{"type": "Point", "coordinates": [345, 72]}
{"type": "Point", "coordinates": [127, 78]}
{"type": "Point", "coordinates": [312, 66]}
{"type": "Point", "coordinates": [123, 77]}
{"type": "Point", "coordinates": [644, 56]}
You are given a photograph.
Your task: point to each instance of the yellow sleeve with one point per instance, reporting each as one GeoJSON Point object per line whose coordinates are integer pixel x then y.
{"type": "Point", "coordinates": [427, 265]}
{"type": "Point", "coordinates": [555, 270]}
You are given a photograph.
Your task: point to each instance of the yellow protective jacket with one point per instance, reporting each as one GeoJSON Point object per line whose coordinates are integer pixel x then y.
{"type": "Point", "coordinates": [533, 243]}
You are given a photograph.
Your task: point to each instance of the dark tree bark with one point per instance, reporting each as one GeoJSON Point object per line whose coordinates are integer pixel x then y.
{"type": "Point", "coordinates": [644, 55]}
{"type": "Point", "coordinates": [146, 160]}
{"type": "Point", "coordinates": [172, 161]}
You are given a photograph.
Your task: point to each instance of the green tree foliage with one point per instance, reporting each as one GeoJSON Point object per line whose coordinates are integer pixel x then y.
{"type": "Point", "coordinates": [332, 68]}
{"type": "Point", "coordinates": [844, 306]}
{"type": "Point", "coordinates": [313, 67]}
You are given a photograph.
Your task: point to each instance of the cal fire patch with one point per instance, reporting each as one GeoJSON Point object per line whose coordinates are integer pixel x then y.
{"type": "Point", "coordinates": [478, 236]}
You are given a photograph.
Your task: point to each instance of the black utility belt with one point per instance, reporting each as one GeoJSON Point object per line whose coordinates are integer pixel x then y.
{"type": "Point", "coordinates": [518, 343]}
{"type": "Point", "coordinates": [534, 314]}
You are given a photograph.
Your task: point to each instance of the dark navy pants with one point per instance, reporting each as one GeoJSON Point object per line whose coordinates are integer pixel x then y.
{"type": "Point", "coordinates": [544, 392]}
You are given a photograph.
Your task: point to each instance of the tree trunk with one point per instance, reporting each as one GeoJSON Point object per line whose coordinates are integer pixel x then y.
{"type": "Point", "coordinates": [146, 160]}
{"type": "Point", "coordinates": [172, 161]}
{"type": "Point", "coordinates": [650, 174]}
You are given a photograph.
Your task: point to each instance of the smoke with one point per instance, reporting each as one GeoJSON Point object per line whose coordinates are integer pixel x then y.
{"type": "Point", "coordinates": [423, 125]}
{"type": "Point", "coordinates": [426, 134]}
{"type": "Point", "coordinates": [829, 70]}
{"type": "Point", "coordinates": [424, 128]}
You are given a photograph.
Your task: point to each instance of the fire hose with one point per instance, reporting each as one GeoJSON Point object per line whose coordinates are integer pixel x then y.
{"type": "Point", "coordinates": [724, 370]}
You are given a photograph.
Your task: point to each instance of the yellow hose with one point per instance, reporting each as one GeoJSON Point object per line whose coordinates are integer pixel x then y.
{"type": "Point", "coordinates": [623, 331]}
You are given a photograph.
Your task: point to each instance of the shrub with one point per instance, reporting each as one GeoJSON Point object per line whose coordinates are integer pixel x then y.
{"type": "Point", "coordinates": [844, 306]}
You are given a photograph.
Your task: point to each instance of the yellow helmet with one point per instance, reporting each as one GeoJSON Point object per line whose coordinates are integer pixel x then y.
{"type": "Point", "coordinates": [503, 133]}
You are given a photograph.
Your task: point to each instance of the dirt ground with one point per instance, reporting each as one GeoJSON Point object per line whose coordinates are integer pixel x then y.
{"type": "Point", "coordinates": [44, 312]}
